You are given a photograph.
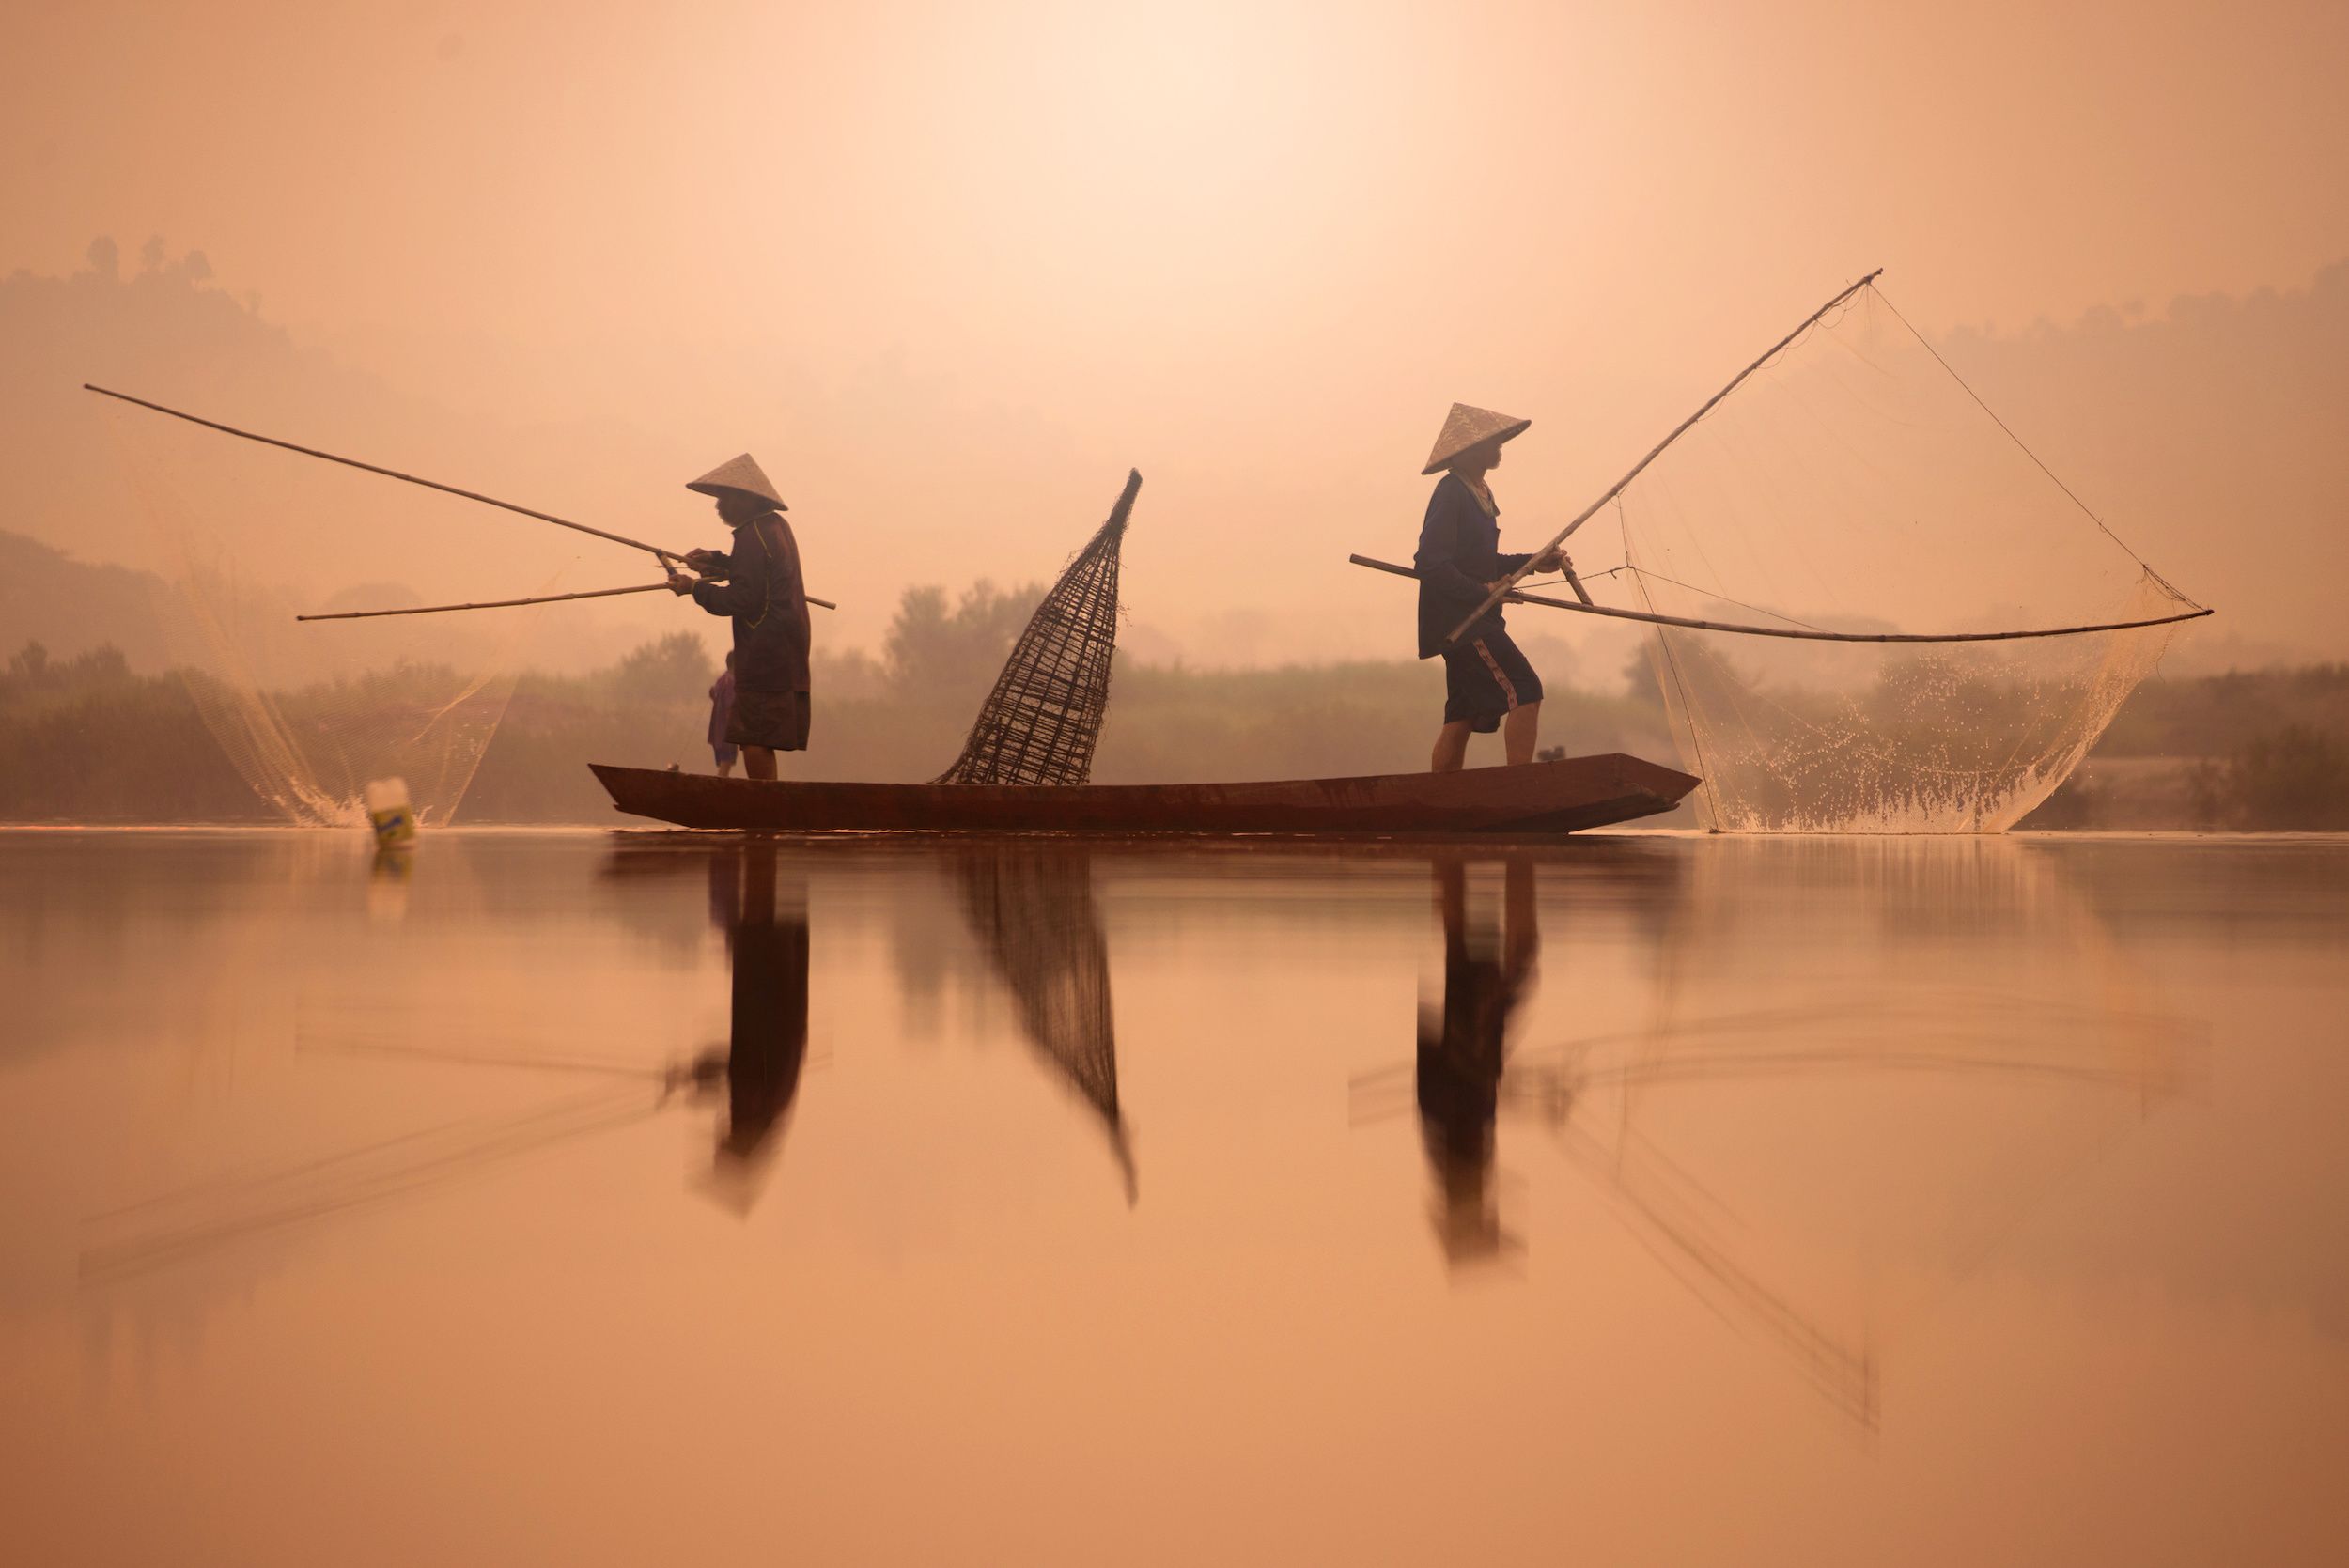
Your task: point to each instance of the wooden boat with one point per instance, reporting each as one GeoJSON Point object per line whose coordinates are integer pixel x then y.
{"type": "Point", "coordinates": [1537, 798]}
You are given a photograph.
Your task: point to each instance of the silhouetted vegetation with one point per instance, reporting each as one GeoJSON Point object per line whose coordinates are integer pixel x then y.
{"type": "Point", "coordinates": [2263, 749]}
{"type": "Point", "coordinates": [2219, 716]}
{"type": "Point", "coordinates": [87, 739]}
{"type": "Point", "coordinates": [2295, 780]}
{"type": "Point", "coordinates": [84, 740]}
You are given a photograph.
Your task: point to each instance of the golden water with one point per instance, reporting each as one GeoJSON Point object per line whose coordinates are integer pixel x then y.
{"type": "Point", "coordinates": [1839, 1200]}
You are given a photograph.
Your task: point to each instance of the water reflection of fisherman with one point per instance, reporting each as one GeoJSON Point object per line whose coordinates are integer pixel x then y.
{"type": "Point", "coordinates": [767, 1042]}
{"type": "Point", "coordinates": [1463, 1050]}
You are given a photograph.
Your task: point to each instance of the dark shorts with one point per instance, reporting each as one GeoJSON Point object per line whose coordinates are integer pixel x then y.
{"type": "Point", "coordinates": [1484, 679]}
{"type": "Point", "coordinates": [775, 720]}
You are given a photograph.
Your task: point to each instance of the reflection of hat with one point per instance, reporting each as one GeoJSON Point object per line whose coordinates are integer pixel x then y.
{"type": "Point", "coordinates": [736, 1182]}
{"type": "Point", "coordinates": [1472, 1235]}
{"type": "Point", "coordinates": [1463, 428]}
{"type": "Point", "coordinates": [743, 475]}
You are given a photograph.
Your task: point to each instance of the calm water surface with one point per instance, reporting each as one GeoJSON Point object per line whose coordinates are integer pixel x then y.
{"type": "Point", "coordinates": [626, 1198]}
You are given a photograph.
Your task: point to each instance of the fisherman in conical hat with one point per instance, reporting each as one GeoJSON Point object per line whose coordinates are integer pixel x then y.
{"type": "Point", "coordinates": [1487, 683]}
{"type": "Point", "coordinates": [756, 583]}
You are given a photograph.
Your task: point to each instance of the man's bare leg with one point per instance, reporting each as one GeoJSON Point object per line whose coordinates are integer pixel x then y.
{"type": "Point", "coordinates": [1521, 732]}
{"type": "Point", "coordinates": [1451, 751]}
{"type": "Point", "coordinates": [758, 762]}
{"type": "Point", "coordinates": [725, 771]}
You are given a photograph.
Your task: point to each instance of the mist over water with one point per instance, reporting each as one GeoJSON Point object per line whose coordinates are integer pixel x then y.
{"type": "Point", "coordinates": [1636, 1198]}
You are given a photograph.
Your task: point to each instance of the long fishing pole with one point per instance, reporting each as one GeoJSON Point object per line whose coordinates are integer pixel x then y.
{"type": "Point", "coordinates": [664, 555]}
{"type": "Point", "coordinates": [1518, 596]}
{"type": "Point", "coordinates": [510, 603]}
{"type": "Point", "coordinates": [1509, 583]}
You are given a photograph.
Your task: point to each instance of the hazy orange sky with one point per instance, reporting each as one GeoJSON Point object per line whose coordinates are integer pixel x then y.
{"type": "Point", "coordinates": [950, 270]}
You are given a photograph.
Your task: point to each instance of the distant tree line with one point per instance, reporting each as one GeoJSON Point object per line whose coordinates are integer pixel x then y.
{"type": "Point", "coordinates": [2295, 780]}
{"type": "Point", "coordinates": [87, 739]}
{"type": "Point", "coordinates": [2222, 716]}
{"type": "Point", "coordinates": [2260, 751]}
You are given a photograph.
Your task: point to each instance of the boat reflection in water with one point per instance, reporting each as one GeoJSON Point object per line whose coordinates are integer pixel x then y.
{"type": "Point", "coordinates": [1031, 909]}
{"type": "Point", "coordinates": [763, 919]}
{"type": "Point", "coordinates": [1817, 1081]}
{"type": "Point", "coordinates": [1788, 1046]}
{"type": "Point", "coordinates": [1465, 1071]}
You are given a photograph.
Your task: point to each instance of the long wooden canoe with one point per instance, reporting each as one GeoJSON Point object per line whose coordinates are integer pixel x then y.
{"type": "Point", "coordinates": [1537, 798]}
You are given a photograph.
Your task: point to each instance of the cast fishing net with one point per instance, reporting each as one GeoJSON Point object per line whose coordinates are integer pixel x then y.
{"type": "Point", "coordinates": [243, 538]}
{"type": "Point", "coordinates": [1853, 484]}
{"type": "Point", "coordinates": [1039, 723]}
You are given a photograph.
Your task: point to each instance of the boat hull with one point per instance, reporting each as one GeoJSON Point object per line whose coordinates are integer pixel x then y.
{"type": "Point", "coordinates": [1536, 797]}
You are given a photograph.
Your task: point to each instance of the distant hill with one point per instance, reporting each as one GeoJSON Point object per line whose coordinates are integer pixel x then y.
{"type": "Point", "coordinates": [102, 481]}
{"type": "Point", "coordinates": [2208, 435]}
{"type": "Point", "coordinates": [70, 606]}
{"type": "Point", "coordinates": [2204, 430]}
{"type": "Point", "coordinates": [73, 607]}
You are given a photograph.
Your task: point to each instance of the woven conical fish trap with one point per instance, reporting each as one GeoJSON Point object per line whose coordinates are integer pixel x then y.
{"type": "Point", "coordinates": [1039, 723]}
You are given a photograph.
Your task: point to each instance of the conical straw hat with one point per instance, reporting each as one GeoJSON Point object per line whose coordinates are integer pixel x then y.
{"type": "Point", "coordinates": [1467, 425]}
{"type": "Point", "coordinates": [742, 475]}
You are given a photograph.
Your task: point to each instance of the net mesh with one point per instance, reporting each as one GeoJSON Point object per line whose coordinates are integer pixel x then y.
{"type": "Point", "coordinates": [1039, 723]}
{"type": "Point", "coordinates": [242, 540]}
{"type": "Point", "coordinates": [1854, 484]}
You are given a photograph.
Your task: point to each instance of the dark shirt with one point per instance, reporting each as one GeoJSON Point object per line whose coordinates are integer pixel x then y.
{"type": "Point", "coordinates": [1459, 553]}
{"type": "Point", "coordinates": [767, 602]}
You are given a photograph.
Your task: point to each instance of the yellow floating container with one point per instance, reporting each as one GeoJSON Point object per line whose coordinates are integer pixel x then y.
{"type": "Point", "coordinates": [388, 811]}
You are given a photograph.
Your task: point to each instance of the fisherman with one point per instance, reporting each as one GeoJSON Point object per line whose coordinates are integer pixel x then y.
{"type": "Point", "coordinates": [1487, 683]}
{"type": "Point", "coordinates": [757, 584]}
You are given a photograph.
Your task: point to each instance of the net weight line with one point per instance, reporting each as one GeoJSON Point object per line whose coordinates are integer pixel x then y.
{"type": "Point", "coordinates": [1517, 596]}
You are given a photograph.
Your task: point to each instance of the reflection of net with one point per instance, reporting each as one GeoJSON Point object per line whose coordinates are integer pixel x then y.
{"type": "Point", "coordinates": [1032, 910]}
{"type": "Point", "coordinates": [308, 715]}
{"type": "Point", "coordinates": [1039, 723]}
{"type": "Point", "coordinates": [1819, 1142]}
{"type": "Point", "coordinates": [1856, 484]}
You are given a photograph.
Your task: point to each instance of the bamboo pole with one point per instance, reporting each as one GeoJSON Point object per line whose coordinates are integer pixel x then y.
{"type": "Point", "coordinates": [1514, 596]}
{"type": "Point", "coordinates": [666, 556]}
{"type": "Point", "coordinates": [510, 603]}
{"type": "Point", "coordinates": [1615, 490]}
